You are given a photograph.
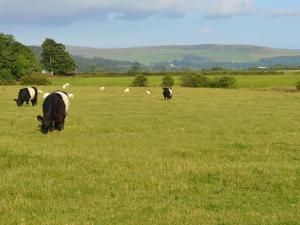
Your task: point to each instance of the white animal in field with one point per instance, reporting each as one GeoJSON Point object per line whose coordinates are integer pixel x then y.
{"type": "Point", "coordinates": [46, 95]}
{"type": "Point", "coordinates": [41, 92]}
{"type": "Point", "coordinates": [65, 85]}
{"type": "Point", "coordinates": [71, 96]}
{"type": "Point", "coordinates": [127, 90]}
{"type": "Point", "coordinates": [148, 92]}
{"type": "Point", "coordinates": [102, 89]}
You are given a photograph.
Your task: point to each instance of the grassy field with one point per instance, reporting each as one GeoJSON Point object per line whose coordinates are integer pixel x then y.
{"type": "Point", "coordinates": [207, 156]}
{"type": "Point", "coordinates": [251, 81]}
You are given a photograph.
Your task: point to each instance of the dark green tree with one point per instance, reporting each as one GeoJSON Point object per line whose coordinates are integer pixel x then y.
{"type": "Point", "coordinates": [56, 59]}
{"type": "Point", "coordinates": [298, 85]}
{"type": "Point", "coordinates": [16, 58]}
{"type": "Point", "coordinates": [140, 81]}
{"type": "Point", "coordinates": [167, 81]}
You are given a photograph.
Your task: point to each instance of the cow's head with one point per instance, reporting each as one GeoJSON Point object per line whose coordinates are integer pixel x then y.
{"type": "Point", "coordinates": [46, 124]}
{"type": "Point", "coordinates": [19, 103]}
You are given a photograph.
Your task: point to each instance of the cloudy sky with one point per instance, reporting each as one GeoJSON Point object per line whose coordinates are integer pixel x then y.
{"type": "Point", "coordinates": [127, 23]}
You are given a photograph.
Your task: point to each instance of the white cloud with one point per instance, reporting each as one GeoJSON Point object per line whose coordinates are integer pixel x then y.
{"type": "Point", "coordinates": [286, 12]}
{"type": "Point", "coordinates": [68, 11]}
{"type": "Point", "coordinates": [39, 11]}
{"type": "Point", "coordinates": [229, 8]}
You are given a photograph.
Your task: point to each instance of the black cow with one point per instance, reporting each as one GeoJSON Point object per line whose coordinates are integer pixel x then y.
{"type": "Point", "coordinates": [55, 108]}
{"type": "Point", "coordinates": [26, 95]}
{"type": "Point", "coordinates": [167, 93]}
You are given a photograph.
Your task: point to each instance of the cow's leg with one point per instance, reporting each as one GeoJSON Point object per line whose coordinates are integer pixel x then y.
{"type": "Point", "coordinates": [33, 102]}
{"type": "Point", "coordinates": [63, 122]}
{"type": "Point", "coordinates": [59, 124]}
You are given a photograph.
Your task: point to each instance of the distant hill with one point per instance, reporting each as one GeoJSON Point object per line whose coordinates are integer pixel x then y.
{"type": "Point", "coordinates": [149, 55]}
{"type": "Point", "coordinates": [95, 64]}
{"type": "Point", "coordinates": [179, 57]}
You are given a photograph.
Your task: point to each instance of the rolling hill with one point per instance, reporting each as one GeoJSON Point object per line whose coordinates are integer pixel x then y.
{"type": "Point", "coordinates": [179, 57]}
{"type": "Point", "coordinates": [150, 55]}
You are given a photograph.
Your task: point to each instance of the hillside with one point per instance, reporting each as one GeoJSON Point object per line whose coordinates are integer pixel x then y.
{"type": "Point", "coordinates": [179, 57]}
{"type": "Point", "coordinates": [148, 55]}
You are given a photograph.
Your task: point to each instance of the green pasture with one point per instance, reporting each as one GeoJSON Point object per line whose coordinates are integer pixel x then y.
{"type": "Point", "coordinates": [252, 81]}
{"type": "Point", "coordinates": [208, 156]}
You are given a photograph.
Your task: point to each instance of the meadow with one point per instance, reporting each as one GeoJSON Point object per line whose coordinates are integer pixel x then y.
{"type": "Point", "coordinates": [208, 156]}
{"type": "Point", "coordinates": [289, 79]}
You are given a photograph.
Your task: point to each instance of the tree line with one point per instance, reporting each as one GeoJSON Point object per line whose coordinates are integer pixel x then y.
{"type": "Point", "coordinates": [18, 60]}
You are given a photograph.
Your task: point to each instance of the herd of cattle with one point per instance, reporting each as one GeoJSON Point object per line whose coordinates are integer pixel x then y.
{"type": "Point", "coordinates": [56, 105]}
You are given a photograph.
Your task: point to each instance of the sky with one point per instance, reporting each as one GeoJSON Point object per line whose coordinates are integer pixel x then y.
{"type": "Point", "coordinates": [132, 23]}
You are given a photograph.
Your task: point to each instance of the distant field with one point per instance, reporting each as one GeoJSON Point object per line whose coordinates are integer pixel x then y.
{"type": "Point", "coordinates": [259, 81]}
{"type": "Point", "coordinates": [208, 156]}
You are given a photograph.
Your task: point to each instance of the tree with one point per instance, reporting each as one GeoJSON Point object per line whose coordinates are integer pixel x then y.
{"type": "Point", "coordinates": [140, 81]}
{"type": "Point", "coordinates": [168, 81]}
{"type": "Point", "coordinates": [16, 58]}
{"type": "Point", "coordinates": [136, 68]}
{"type": "Point", "coordinates": [298, 85]}
{"type": "Point", "coordinates": [56, 59]}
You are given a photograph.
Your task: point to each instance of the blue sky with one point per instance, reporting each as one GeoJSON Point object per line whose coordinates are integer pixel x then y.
{"type": "Point", "coordinates": [128, 23]}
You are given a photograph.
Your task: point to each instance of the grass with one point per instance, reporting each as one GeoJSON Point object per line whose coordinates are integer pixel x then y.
{"type": "Point", "coordinates": [207, 156]}
{"type": "Point", "coordinates": [251, 81]}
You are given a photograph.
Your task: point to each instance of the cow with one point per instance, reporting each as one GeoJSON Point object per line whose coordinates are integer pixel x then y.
{"type": "Point", "coordinates": [26, 95]}
{"type": "Point", "coordinates": [55, 108]}
{"type": "Point", "coordinates": [167, 93]}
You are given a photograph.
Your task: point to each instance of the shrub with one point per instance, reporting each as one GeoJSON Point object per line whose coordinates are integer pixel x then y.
{"type": "Point", "coordinates": [168, 81]}
{"type": "Point", "coordinates": [6, 78]}
{"type": "Point", "coordinates": [140, 81]}
{"type": "Point", "coordinates": [225, 82]}
{"type": "Point", "coordinates": [194, 80]}
{"type": "Point", "coordinates": [35, 78]}
{"type": "Point", "coordinates": [298, 85]}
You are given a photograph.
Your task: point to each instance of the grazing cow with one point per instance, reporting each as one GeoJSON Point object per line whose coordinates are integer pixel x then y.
{"type": "Point", "coordinates": [55, 108]}
{"type": "Point", "coordinates": [167, 93]}
{"type": "Point", "coordinates": [26, 95]}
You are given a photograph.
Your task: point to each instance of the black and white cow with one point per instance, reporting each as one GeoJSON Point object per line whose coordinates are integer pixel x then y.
{"type": "Point", "coordinates": [26, 95]}
{"type": "Point", "coordinates": [167, 92]}
{"type": "Point", "coordinates": [55, 108]}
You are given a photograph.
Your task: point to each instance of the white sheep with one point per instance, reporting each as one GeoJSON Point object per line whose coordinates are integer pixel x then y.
{"type": "Point", "coordinates": [148, 92]}
{"type": "Point", "coordinates": [127, 90]}
{"type": "Point", "coordinates": [71, 96]}
{"type": "Point", "coordinates": [65, 85]}
{"type": "Point", "coordinates": [102, 89]}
